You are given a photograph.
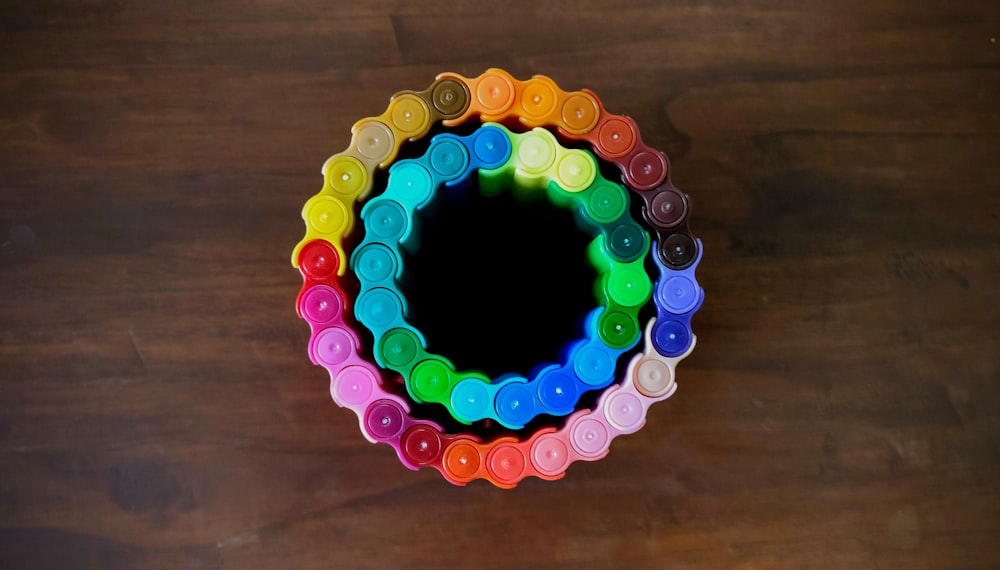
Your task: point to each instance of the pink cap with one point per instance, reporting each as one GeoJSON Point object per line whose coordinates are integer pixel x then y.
{"type": "Point", "coordinates": [551, 455]}
{"type": "Point", "coordinates": [354, 387]}
{"type": "Point", "coordinates": [321, 304]}
{"type": "Point", "coordinates": [333, 346]}
{"type": "Point", "coordinates": [590, 437]}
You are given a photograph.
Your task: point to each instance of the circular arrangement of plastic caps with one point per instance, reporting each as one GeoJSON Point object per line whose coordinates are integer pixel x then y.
{"type": "Point", "coordinates": [515, 148]}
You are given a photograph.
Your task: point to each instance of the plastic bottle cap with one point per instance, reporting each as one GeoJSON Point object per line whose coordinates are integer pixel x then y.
{"type": "Point", "coordinates": [318, 259]}
{"type": "Point", "coordinates": [333, 346]}
{"type": "Point", "coordinates": [590, 437]}
{"type": "Point", "coordinates": [506, 463]}
{"type": "Point", "coordinates": [617, 329]}
{"type": "Point", "coordinates": [346, 175]}
{"type": "Point", "coordinates": [321, 304]}
{"type": "Point", "coordinates": [626, 242]}
{"type": "Point", "coordinates": [625, 411]}
{"type": "Point", "coordinates": [678, 295]}
{"type": "Point", "coordinates": [379, 308]}
{"type": "Point", "coordinates": [492, 147]}
{"type": "Point", "coordinates": [629, 287]}
{"type": "Point", "coordinates": [678, 250]}
{"type": "Point", "coordinates": [448, 158]}
{"type": "Point", "coordinates": [670, 337]}
{"type": "Point", "coordinates": [421, 444]}
{"type": "Point", "coordinates": [576, 171]}
{"type": "Point", "coordinates": [579, 113]}
{"type": "Point", "coordinates": [462, 460]}
{"type": "Point", "coordinates": [384, 419]}
{"type": "Point", "coordinates": [399, 347]}
{"type": "Point", "coordinates": [374, 141]}
{"type": "Point", "coordinates": [667, 209]}
{"type": "Point", "coordinates": [470, 400]}
{"type": "Point", "coordinates": [411, 182]}
{"type": "Point", "coordinates": [593, 365]}
{"type": "Point", "coordinates": [409, 114]}
{"type": "Point", "coordinates": [386, 220]}
{"type": "Point", "coordinates": [647, 170]}
{"type": "Point", "coordinates": [653, 377]}
{"type": "Point", "coordinates": [375, 262]}
{"type": "Point", "coordinates": [616, 138]}
{"type": "Point", "coordinates": [514, 404]}
{"type": "Point", "coordinates": [538, 99]}
{"type": "Point", "coordinates": [607, 203]}
{"type": "Point", "coordinates": [450, 98]}
{"type": "Point", "coordinates": [550, 455]}
{"type": "Point", "coordinates": [354, 385]}
{"type": "Point", "coordinates": [557, 391]}
{"type": "Point", "coordinates": [430, 381]}
{"type": "Point", "coordinates": [327, 215]}
{"type": "Point", "coordinates": [494, 92]}
{"type": "Point", "coordinates": [536, 153]}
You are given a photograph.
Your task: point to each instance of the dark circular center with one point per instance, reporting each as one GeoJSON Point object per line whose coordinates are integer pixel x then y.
{"type": "Point", "coordinates": [498, 286]}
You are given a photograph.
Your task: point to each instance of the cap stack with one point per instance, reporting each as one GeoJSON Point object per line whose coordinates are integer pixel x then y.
{"type": "Point", "coordinates": [516, 147]}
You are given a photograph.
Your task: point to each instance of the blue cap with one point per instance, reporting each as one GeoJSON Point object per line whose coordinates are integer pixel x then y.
{"type": "Point", "coordinates": [410, 183]}
{"type": "Point", "coordinates": [375, 264]}
{"type": "Point", "coordinates": [379, 309]}
{"type": "Point", "coordinates": [470, 400]}
{"type": "Point", "coordinates": [448, 158]}
{"type": "Point", "coordinates": [491, 147]}
{"type": "Point", "coordinates": [385, 219]}
{"type": "Point", "coordinates": [594, 364]}
{"type": "Point", "coordinates": [671, 337]}
{"type": "Point", "coordinates": [515, 404]}
{"type": "Point", "coordinates": [558, 391]}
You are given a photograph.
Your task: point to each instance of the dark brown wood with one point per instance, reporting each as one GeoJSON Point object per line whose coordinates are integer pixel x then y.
{"type": "Point", "coordinates": [158, 410]}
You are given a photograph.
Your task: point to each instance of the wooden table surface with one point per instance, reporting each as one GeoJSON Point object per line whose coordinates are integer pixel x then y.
{"type": "Point", "coordinates": [158, 409]}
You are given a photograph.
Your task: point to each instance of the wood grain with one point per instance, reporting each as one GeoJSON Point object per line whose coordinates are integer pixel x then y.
{"type": "Point", "coordinates": [158, 409]}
